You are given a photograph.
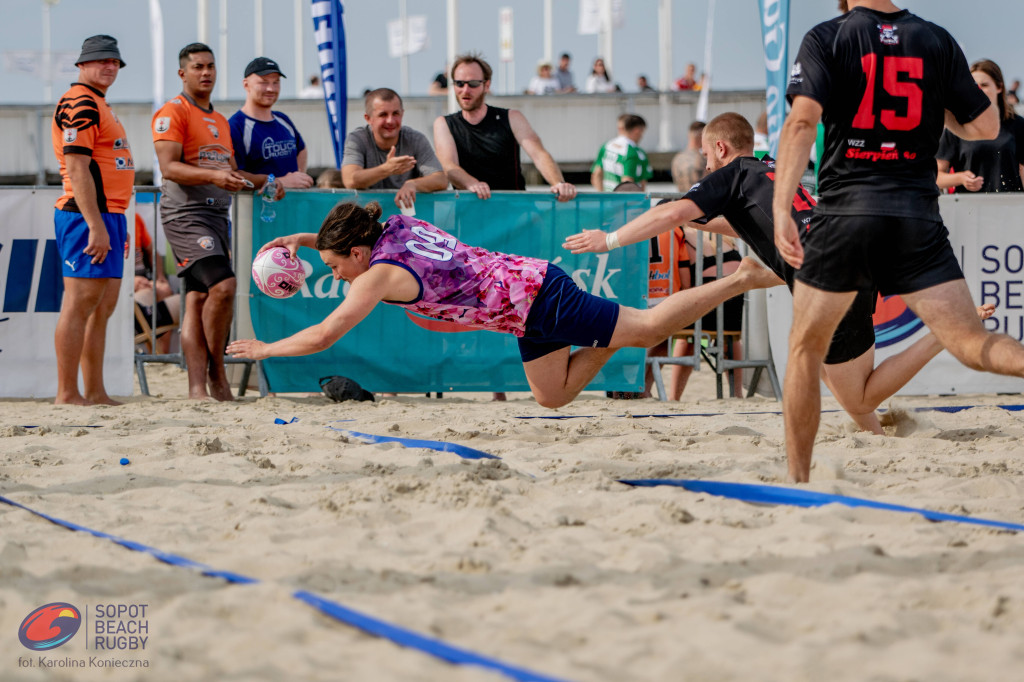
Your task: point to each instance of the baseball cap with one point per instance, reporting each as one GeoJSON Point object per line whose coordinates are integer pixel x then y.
{"type": "Point", "coordinates": [261, 66]}
{"type": "Point", "coordinates": [100, 47]}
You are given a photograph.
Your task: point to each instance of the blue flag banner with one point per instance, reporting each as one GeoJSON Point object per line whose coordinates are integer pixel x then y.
{"type": "Point", "coordinates": [775, 34]}
{"type": "Point", "coordinates": [391, 350]}
{"type": "Point", "coordinates": [329, 33]}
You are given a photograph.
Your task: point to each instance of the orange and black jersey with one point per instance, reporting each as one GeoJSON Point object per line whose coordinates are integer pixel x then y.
{"type": "Point", "coordinates": [884, 81]}
{"type": "Point", "coordinates": [83, 123]}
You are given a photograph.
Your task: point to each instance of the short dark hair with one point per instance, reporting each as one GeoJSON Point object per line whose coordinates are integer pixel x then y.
{"type": "Point", "coordinates": [697, 126]}
{"type": "Point", "coordinates": [384, 95]}
{"type": "Point", "coordinates": [732, 128]}
{"type": "Point", "coordinates": [566, 55]}
{"type": "Point", "coordinates": [472, 58]}
{"type": "Point", "coordinates": [631, 122]}
{"type": "Point", "coordinates": [192, 48]}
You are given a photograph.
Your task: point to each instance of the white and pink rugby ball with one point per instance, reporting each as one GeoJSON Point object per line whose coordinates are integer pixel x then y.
{"type": "Point", "coordinates": [277, 274]}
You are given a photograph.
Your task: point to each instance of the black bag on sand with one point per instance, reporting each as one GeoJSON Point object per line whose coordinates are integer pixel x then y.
{"type": "Point", "coordinates": [340, 389]}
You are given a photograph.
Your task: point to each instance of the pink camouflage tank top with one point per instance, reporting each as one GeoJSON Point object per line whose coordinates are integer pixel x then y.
{"type": "Point", "coordinates": [461, 283]}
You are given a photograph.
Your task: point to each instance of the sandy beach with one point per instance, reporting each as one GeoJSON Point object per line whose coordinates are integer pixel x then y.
{"type": "Point", "coordinates": [540, 559]}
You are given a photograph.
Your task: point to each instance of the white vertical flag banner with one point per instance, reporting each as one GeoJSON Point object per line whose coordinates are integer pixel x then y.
{"type": "Point", "coordinates": [506, 52]}
{"type": "Point", "coordinates": [411, 41]}
{"type": "Point", "coordinates": [590, 16]}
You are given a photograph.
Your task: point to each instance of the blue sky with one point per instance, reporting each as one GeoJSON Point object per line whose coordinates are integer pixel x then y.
{"type": "Point", "coordinates": [994, 32]}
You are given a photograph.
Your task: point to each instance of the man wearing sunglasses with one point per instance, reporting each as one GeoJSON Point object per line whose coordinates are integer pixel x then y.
{"type": "Point", "coordinates": [479, 145]}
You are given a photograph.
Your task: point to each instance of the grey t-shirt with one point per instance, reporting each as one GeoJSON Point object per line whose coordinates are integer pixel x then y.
{"type": "Point", "coordinates": [362, 151]}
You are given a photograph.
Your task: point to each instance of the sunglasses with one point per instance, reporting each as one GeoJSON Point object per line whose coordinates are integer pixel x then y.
{"type": "Point", "coordinates": [475, 83]}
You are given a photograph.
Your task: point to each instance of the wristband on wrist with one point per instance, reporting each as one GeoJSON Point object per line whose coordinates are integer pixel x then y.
{"type": "Point", "coordinates": [611, 240]}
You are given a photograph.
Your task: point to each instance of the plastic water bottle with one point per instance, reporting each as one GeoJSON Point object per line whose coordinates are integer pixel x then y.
{"type": "Point", "coordinates": [267, 212]}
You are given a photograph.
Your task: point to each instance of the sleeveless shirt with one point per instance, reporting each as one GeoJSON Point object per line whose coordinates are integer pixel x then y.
{"type": "Point", "coordinates": [488, 150]}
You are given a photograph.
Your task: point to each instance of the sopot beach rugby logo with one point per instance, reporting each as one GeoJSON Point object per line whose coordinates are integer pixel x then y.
{"type": "Point", "coordinates": [50, 626]}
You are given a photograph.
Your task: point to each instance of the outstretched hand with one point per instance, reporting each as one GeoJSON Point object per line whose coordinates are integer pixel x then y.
{"type": "Point", "coordinates": [292, 242]}
{"type": "Point", "coordinates": [588, 241]}
{"type": "Point", "coordinates": [248, 348]}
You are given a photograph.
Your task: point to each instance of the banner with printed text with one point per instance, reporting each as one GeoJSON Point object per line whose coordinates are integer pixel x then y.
{"type": "Point", "coordinates": [392, 351]}
{"type": "Point", "coordinates": [31, 292]}
{"type": "Point", "coordinates": [329, 33]}
{"type": "Point", "coordinates": [775, 36]}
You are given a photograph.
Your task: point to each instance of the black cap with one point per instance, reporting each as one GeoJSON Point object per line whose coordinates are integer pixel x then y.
{"type": "Point", "coordinates": [100, 47]}
{"type": "Point", "coordinates": [261, 66]}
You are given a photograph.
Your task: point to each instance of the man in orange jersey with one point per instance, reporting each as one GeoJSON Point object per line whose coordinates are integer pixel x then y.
{"type": "Point", "coordinates": [193, 146]}
{"type": "Point", "coordinates": [98, 172]}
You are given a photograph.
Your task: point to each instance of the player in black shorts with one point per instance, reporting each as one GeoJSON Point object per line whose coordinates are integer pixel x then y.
{"type": "Point", "coordinates": [735, 199]}
{"type": "Point", "coordinates": [884, 82]}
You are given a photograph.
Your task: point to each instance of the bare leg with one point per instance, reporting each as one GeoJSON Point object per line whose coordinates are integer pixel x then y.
{"type": "Point", "coordinates": [644, 328]}
{"type": "Point", "coordinates": [816, 314]}
{"type": "Point", "coordinates": [848, 382]}
{"type": "Point", "coordinates": [946, 309]}
{"type": "Point", "coordinates": [81, 298]}
{"type": "Point", "coordinates": [217, 313]}
{"type": "Point", "coordinates": [95, 344]}
{"type": "Point", "coordinates": [679, 375]}
{"type": "Point", "coordinates": [558, 377]}
{"type": "Point", "coordinates": [193, 345]}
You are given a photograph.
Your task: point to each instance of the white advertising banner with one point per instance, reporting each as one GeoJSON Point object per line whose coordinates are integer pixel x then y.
{"type": "Point", "coordinates": [506, 35]}
{"type": "Point", "coordinates": [31, 289]}
{"type": "Point", "coordinates": [414, 38]}
{"type": "Point", "coordinates": [985, 232]}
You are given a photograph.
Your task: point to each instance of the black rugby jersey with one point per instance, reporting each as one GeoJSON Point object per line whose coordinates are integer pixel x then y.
{"type": "Point", "coordinates": [488, 150]}
{"type": "Point", "coordinates": [884, 81]}
{"type": "Point", "coordinates": [741, 192]}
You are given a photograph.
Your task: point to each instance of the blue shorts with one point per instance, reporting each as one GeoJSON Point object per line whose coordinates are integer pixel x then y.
{"type": "Point", "coordinates": [73, 236]}
{"type": "Point", "coordinates": [565, 315]}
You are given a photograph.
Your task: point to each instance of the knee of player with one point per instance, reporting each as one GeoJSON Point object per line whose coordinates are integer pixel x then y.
{"type": "Point", "coordinates": [551, 401]}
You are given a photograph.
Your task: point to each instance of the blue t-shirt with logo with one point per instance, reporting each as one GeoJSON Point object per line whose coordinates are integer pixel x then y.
{"type": "Point", "coordinates": [265, 147]}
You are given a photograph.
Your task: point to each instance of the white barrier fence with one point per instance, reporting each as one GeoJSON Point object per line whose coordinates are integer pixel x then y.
{"type": "Point", "coordinates": [31, 289]}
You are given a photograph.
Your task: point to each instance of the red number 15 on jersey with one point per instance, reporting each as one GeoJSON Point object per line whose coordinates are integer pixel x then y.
{"type": "Point", "coordinates": [892, 67]}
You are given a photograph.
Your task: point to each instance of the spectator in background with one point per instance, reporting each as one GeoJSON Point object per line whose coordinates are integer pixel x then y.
{"type": "Point", "coordinates": [151, 285]}
{"type": "Point", "coordinates": [314, 90]}
{"type": "Point", "coordinates": [563, 75]}
{"type": "Point", "coordinates": [439, 86]}
{"type": "Point", "coordinates": [761, 144]}
{"type": "Point", "coordinates": [266, 141]}
{"type": "Point", "coordinates": [98, 173]}
{"type": "Point", "coordinates": [543, 83]}
{"type": "Point", "coordinates": [689, 165]}
{"type": "Point", "coordinates": [621, 160]}
{"type": "Point", "coordinates": [985, 165]}
{"type": "Point", "coordinates": [330, 179]}
{"type": "Point", "coordinates": [193, 147]}
{"type": "Point", "coordinates": [599, 79]}
{"type": "Point", "coordinates": [688, 81]}
{"type": "Point", "coordinates": [642, 85]}
{"type": "Point", "coordinates": [479, 145]}
{"type": "Point", "coordinates": [1012, 98]}
{"type": "Point", "coordinates": [384, 154]}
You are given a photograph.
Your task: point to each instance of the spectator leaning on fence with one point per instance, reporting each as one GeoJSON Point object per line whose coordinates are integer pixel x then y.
{"type": "Point", "coordinates": [266, 141]}
{"type": "Point", "coordinates": [98, 172]}
{"type": "Point", "coordinates": [384, 154]}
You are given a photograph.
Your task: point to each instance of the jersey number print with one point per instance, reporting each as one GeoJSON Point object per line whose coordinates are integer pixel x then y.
{"type": "Point", "coordinates": [892, 67]}
{"type": "Point", "coordinates": [433, 246]}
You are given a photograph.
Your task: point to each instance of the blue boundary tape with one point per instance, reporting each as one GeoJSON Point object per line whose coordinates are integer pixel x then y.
{"type": "Point", "coordinates": [439, 445]}
{"type": "Point", "coordinates": [760, 494]}
{"type": "Point", "coordinates": [362, 621]}
{"type": "Point", "coordinates": [770, 494]}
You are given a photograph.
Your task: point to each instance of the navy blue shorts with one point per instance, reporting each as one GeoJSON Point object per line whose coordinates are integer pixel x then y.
{"type": "Point", "coordinates": [565, 315]}
{"type": "Point", "coordinates": [73, 236]}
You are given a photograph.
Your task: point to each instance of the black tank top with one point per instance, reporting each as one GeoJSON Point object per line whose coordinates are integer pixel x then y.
{"type": "Point", "coordinates": [488, 150]}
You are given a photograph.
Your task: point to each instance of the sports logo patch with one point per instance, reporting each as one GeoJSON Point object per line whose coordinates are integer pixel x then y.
{"type": "Point", "coordinates": [162, 124]}
{"type": "Point", "coordinates": [887, 34]}
{"type": "Point", "coordinates": [205, 243]}
{"type": "Point", "coordinates": [214, 131]}
{"type": "Point", "coordinates": [70, 135]}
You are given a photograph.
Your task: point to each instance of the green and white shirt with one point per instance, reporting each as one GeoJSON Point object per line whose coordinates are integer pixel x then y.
{"type": "Point", "coordinates": [621, 158]}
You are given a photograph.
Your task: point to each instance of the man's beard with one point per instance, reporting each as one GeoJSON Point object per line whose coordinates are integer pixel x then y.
{"type": "Point", "coordinates": [475, 104]}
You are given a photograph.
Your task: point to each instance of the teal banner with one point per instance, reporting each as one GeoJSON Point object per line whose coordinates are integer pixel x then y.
{"type": "Point", "coordinates": [388, 352]}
